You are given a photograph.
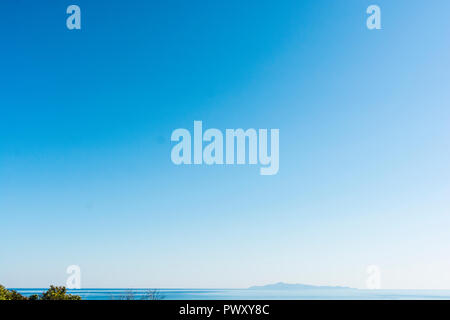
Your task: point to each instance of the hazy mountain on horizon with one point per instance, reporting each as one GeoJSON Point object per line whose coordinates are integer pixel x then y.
{"type": "Point", "coordinates": [294, 286]}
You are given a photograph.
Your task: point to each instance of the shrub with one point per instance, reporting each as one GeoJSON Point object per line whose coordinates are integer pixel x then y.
{"type": "Point", "coordinates": [54, 293]}
{"type": "Point", "coordinates": [6, 294]}
{"type": "Point", "coordinates": [58, 293]}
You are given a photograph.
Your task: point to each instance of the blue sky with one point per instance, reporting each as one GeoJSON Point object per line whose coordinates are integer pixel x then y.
{"type": "Point", "coordinates": [86, 118]}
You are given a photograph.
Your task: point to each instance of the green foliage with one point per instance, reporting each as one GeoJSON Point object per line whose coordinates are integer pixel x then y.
{"type": "Point", "coordinates": [58, 293]}
{"type": "Point", "coordinates": [6, 294]}
{"type": "Point", "coordinates": [54, 293]}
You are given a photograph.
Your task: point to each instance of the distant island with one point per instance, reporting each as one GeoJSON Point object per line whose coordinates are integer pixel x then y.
{"type": "Point", "coordinates": [296, 286]}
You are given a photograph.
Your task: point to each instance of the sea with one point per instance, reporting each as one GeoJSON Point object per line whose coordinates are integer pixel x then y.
{"type": "Point", "coordinates": [250, 294]}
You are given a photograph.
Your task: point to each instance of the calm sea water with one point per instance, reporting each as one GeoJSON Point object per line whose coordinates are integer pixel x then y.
{"type": "Point", "coordinates": [240, 294]}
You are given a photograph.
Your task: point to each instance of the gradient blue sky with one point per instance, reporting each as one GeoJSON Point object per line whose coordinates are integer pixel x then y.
{"type": "Point", "coordinates": [86, 118]}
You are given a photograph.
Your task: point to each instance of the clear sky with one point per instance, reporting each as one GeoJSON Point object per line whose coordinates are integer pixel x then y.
{"type": "Point", "coordinates": [86, 117]}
